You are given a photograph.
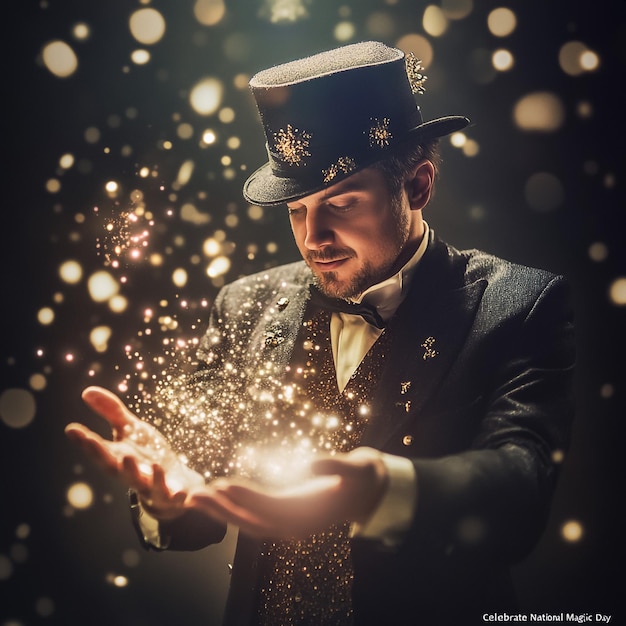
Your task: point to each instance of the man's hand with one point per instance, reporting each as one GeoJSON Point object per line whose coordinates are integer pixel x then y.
{"type": "Point", "coordinates": [347, 487]}
{"type": "Point", "coordinates": [139, 455]}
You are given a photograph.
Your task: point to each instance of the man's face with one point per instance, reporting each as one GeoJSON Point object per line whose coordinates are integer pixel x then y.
{"type": "Point", "coordinates": [352, 234]}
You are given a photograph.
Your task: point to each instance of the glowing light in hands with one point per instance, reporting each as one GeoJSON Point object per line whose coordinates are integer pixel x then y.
{"type": "Point", "coordinates": [150, 447]}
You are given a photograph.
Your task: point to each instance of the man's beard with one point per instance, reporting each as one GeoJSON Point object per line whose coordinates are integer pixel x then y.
{"type": "Point", "coordinates": [329, 284]}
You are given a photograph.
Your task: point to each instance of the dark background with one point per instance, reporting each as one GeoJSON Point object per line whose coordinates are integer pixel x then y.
{"type": "Point", "coordinates": [57, 562]}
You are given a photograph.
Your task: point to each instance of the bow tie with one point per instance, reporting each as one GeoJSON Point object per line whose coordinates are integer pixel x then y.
{"type": "Point", "coordinates": [338, 305]}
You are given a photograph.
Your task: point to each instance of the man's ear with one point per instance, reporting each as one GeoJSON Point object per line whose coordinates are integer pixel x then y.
{"type": "Point", "coordinates": [419, 185]}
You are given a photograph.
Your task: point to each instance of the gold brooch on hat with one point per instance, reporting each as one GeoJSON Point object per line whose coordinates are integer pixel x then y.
{"type": "Point", "coordinates": [379, 133]}
{"type": "Point", "coordinates": [292, 144]}
{"type": "Point", "coordinates": [414, 71]}
{"type": "Point", "coordinates": [344, 165]}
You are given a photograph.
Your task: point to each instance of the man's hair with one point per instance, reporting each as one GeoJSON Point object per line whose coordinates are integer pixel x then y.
{"type": "Point", "coordinates": [404, 158]}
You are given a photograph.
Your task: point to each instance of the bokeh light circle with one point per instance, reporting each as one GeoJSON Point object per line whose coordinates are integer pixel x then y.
{"type": "Point", "coordinates": [71, 272]}
{"type": "Point", "coordinates": [617, 291]}
{"type": "Point", "coordinates": [434, 21]}
{"type": "Point", "coordinates": [544, 192]}
{"type": "Point", "coordinates": [17, 407]}
{"type": "Point", "coordinates": [6, 567]}
{"type": "Point", "coordinates": [60, 59]}
{"type": "Point", "coordinates": [539, 111]}
{"type": "Point", "coordinates": [418, 45]}
{"type": "Point", "coordinates": [102, 286]}
{"type": "Point", "coordinates": [80, 495]}
{"type": "Point", "coordinates": [206, 96]}
{"type": "Point", "coordinates": [501, 22]}
{"type": "Point", "coordinates": [147, 26]}
{"type": "Point", "coordinates": [598, 251]}
{"type": "Point", "coordinates": [572, 531]}
{"type": "Point", "coordinates": [209, 12]}
{"type": "Point", "coordinates": [457, 9]}
{"type": "Point", "coordinates": [575, 58]}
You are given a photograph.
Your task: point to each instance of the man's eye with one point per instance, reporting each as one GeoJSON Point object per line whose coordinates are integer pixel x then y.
{"type": "Point", "coordinates": [294, 210]}
{"type": "Point", "coordinates": [340, 207]}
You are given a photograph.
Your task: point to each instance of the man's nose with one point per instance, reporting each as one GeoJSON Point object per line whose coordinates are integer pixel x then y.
{"type": "Point", "coordinates": [319, 233]}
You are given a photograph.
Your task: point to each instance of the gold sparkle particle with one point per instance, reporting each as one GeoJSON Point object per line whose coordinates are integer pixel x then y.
{"type": "Point", "coordinates": [379, 133]}
{"type": "Point", "coordinates": [414, 71]}
{"type": "Point", "coordinates": [344, 165]}
{"type": "Point", "coordinates": [292, 145]}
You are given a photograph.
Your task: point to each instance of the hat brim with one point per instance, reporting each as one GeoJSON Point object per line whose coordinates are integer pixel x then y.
{"type": "Point", "coordinates": [265, 188]}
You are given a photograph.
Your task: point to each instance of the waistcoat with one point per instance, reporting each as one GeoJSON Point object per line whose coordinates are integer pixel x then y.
{"type": "Point", "coordinates": [309, 581]}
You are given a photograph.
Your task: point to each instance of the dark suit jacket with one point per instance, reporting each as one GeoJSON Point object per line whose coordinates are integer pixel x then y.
{"type": "Point", "coordinates": [484, 419]}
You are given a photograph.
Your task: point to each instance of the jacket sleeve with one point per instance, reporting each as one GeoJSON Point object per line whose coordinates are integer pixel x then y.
{"type": "Point", "coordinates": [191, 531]}
{"type": "Point", "coordinates": [494, 499]}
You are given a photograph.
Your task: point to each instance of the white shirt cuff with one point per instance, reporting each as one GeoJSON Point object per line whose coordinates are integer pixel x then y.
{"type": "Point", "coordinates": [150, 530]}
{"type": "Point", "coordinates": [394, 514]}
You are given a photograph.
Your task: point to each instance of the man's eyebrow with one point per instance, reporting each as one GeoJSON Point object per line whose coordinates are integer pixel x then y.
{"type": "Point", "coordinates": [346, 186]}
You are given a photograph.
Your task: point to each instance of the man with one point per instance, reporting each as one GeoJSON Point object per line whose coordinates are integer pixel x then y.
{"type": "Point", "coordinates": [449, 372]}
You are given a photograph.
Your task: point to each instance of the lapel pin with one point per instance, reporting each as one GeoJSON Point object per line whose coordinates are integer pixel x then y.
{"type": "Point", "coordinates": [429, 351]}
{"type": "Point", "coordinates": [273, 338]}
{"type": "Point", "coordinates": [405, 405]}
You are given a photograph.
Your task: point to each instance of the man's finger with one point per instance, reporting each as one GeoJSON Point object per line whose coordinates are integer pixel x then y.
{"type": "Point", "coordinates": [333, 465]}
{"type": "Point", "coordinates": [109, 406]}
{"type": "Point", "coordinates": [158, 477]}
{"type": "Point", "coordinates": [77, 432]}
{"type": "Point", "coordinates": [94, 445]}
{"type": "Point", "coordinates": [357, 464]}
{"type": "Point", "coordinates": [137, 474]}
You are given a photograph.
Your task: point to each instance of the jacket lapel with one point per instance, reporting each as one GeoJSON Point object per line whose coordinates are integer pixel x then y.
{"type": "Point", "coordinates": [429, 331]}
{"type": "Point", "coordinates": [273, 340]}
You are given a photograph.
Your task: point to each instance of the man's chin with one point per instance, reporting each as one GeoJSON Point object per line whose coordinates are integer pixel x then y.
{"type": "Point", "coordinates": [330, 285]}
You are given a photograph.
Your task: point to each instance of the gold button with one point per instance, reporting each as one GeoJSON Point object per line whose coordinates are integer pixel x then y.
{"type": "Point", "coordinates": [407, 440]}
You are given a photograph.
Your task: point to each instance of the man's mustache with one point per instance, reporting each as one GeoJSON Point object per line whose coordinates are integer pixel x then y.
{"type": "Point", "coordinates": [329, 254]}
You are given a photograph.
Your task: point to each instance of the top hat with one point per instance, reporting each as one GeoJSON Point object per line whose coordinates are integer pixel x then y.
{"type": "Point", "coordinates": [331, 114]}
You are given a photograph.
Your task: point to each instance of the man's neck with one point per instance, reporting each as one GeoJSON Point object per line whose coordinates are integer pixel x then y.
{"type": "Point", "coordinates": [414, 241]}
{"type": "Point", "coordinates": [400, 278]}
